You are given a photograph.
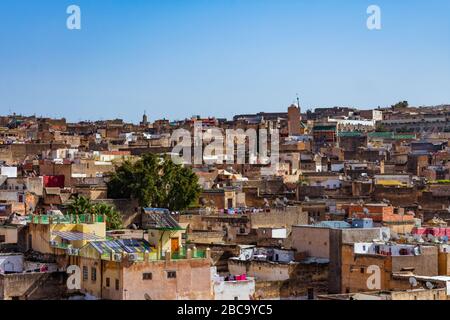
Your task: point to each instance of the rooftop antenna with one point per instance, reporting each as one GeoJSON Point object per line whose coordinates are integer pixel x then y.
{"type": "Point", "coordinates": [298, 101]}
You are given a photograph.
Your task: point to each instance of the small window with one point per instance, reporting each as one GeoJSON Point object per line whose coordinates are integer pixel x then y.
{"type": "Point", "coordinates": [147, 276]}
{"type": "Point", "coordinates": [94, 274]}
{"type": "Point", "coordinates": [362, 270]}
{"type": "Point", "coordinates": [117, 284]}
{"type": "Point", "coordinates": [171, 274]}
{"type": "Point", "coordinates": [108, 282]}
{"type": "Point", "coordinates": [2, 238]}
{"type": "Point", "coordinates": [85, 273]}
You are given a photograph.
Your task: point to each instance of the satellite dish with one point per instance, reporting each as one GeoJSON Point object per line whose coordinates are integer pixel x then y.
{"type": "Point", "coordinates": [366, 211]}
{"type": "Point", "coordinates": [413, 282]}
{"type": "Point", "coordinates": [385, 236]}
{"type": "Point", "coordinates": [147, 297]}
{"type": "Point", "coordinates": [429, 285]}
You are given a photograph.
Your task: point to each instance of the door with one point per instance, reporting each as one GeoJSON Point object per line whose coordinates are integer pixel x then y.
{"type": "Point", "coordinates": [175, 244]}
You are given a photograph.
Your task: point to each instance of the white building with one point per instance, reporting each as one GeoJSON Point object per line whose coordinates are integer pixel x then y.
{"type": "Point", "coordinates": [232, 290]}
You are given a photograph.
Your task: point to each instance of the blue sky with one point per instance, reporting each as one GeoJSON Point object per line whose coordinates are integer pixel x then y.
{"type": "Point", "coordinates": [178, 58]}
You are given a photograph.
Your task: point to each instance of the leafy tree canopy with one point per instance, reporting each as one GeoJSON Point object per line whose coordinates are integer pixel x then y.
{"type": "Point", "coordinates": [400, 105]}
{"type": "Point", "coordinates": [82, 205]}
{"type": "Point", "coordinates": [155, 182]}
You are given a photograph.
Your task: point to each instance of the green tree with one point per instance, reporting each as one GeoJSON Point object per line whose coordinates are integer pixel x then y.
{"type": "Point", "coordinates": [400, 105]}
{"type": "Point", "coordinates": [80, 205]}
{"type": "Point", "coordinates": [113, 217]}
{"type": "Point", "coordinates": [155, 182]}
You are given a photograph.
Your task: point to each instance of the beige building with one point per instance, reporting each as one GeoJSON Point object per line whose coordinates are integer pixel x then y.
{"type": "Point", "coordinates": [132, 270]}
{"type": "Point", "coordinates": [311, 240]}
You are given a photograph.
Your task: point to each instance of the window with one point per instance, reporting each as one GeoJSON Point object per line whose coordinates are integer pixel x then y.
{"type": "Point", "coordinates": [107, 282]}
{"type": "Point", "coordinates": [94, 274]}
{"type": "Point", "coordinates": [117, 284]}
{"type": "Point", "coordinates": [362, 270]}
{"type": "Point", "coordinates": [85, 273]}
{"type": "Point", "coordinates": [147, 276]}
{"type": "Point", "coordinates": [171, 274]}
{"type": "Point", "coordinates": [2, 238]}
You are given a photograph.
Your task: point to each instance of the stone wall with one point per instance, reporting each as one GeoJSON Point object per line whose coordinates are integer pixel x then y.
{"type": "Point", "coordinates": [303, 277]}
{"type": "Point", "coordinates": [279, 218]}
{"type": "Point", "coordinates": [33, 286]}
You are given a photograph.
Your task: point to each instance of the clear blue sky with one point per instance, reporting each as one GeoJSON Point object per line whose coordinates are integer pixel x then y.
{"type": "Point", "coordinates": [219, 57]}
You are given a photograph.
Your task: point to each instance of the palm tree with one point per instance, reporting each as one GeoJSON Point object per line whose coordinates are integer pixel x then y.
{"type": "Point", "coordinates": [113, 218]}
{"type": "Point", "coordinates": [80, 205]}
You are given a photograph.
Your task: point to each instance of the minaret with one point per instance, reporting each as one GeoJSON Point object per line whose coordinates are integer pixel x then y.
{"type": "Point", "coordinates": [144, 119]}
{"type": "Point", "coordinates": [294, 118]}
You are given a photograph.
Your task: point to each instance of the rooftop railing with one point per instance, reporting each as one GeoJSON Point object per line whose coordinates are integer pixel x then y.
{"type": "Point", "coordinates": [181, 254]}
{"type": "Point", "coordinates": [67, 219]}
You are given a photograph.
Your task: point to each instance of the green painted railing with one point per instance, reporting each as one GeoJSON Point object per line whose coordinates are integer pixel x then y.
{"type": "Point", "coordinates": [59, 245]}
{"type": "Point", "coordinates": [67, 219]}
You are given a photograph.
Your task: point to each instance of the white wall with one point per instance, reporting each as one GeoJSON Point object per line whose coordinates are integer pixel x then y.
{"type": "Point", "coordinates": [234, 290]}
{"type": "Point", "coordinates": [279, 233]}
{"type": "Point", "coordinates": [10, 172]}
{"type": "Point", "coordinates": [283, 255]}
{"type": "Point", "coordinates": [231, 290]}
{"type": "Point", "coordinates": [12, 263]}
{"type": "Point", "coordinates": [336, 167]}
{"type": "Point", "coordinates": [369, 248]}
